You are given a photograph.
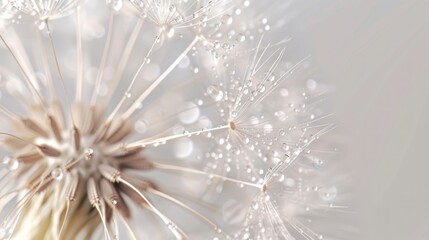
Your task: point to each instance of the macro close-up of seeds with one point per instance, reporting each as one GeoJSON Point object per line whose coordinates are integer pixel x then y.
{"type": "Point", "coordinates": [179, 119]}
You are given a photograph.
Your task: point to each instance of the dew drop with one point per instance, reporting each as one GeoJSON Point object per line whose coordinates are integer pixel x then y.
{"type": "Point", "coordinates": [170, 32]}
{"type": "Point", "coordinates": [89, 153]}
{"type": "Point", "coordinates": [284, 92]}
{"type": "Point", "coordinates": [41, 25]}
{"type": "Point", "coordinates": [190, 113]}
{"type": "Point", "coordinates": [246, 236]}
{"type": "Point", "coordinates": [10, 163]}
{"type": "Point", "coordinates": [57, 174]}
{"type": "Point", "coordinates": [281, 177]}
{"type": "Point", "coordinates": [261, 87]}
{"type": "Point", "coordinates": [215, 93]}
{"type": "Point", "coordinates": [141, 126]}
{"type": "Point", "coordinates": [116, 5]}
{"type": "Point", "coordinates": [226, 19]}
{"type": "Point", "coordinates": [255, 205]}
{"type": "Point", "coordinates": [311, 84]}
{"type": "Point", "coordinates": [328, 193]}
{"type": "Point", "coordinates": [241, 37]}
{"type": "Point", "coordinates": [184, 148]}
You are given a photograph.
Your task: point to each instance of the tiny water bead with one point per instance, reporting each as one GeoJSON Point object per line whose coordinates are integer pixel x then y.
{"type": "Point", "coordinates": [10, 163]}
{"type": "Point", "coordinates": [89, 153]}
{"type": "Point", "coordinates": [328, 193]}
{"type": "Point", "coordinates": [226, 19]}
{"type": "Point", "coordinates": [215, 93]}
{"type": "Point", "coordinates": [241, 37]}
{"type": "Point", "coordinates": [57, 174]}
{"type": "Point", "coordinates": [116, 5]}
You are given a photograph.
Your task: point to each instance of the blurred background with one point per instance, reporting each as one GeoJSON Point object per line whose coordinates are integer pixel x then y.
{"type": "Point", "coordinates": [376, 55]}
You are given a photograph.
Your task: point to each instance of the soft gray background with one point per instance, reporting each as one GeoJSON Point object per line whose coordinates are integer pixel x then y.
{"type": "Point", "coordinates": [376, 54]}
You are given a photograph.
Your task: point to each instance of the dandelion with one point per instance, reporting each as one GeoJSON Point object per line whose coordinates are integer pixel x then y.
{"type": "Point", "coordinates": [148, 119]}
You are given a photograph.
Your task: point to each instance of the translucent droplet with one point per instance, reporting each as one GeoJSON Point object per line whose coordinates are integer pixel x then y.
{"type": "Point", "coordinates": [170, 32]}
{"type": "Point", "coordinates": [284, 92]}
{"type": "Point", "coordinates": [255, 205]}
{"type": "Point", "coordinates": [226, 19]}
{"type": "Point", "coordinates": [10, 163]}
{"type": "Point", "coordinates": [215, 93]}
{"type": "Point", "coordinates": [261, 87]}
{"type": "Point", "coordinates": [141, 126]}
{"type": "Point", "coordinates": [41, 25]}
{"type": "Point", "coordinates": [127, 94]}
{"type": "Point", "coordinates": [57, 174]}
{"type": "Point", "coordinates": [268, 128]}
{"type": "Point", "coordinates": [311, 84]}
{"type": "Point", "coordinates": [290, 182]}
{"type": "Point", "coordinates": [246, 235]}
{"type": "Point", "coordinates": [241, 37]}
{"type": "Point", "coordinates": [89, 153]}
{"type": "Point", "coordinates": [328, 193]}
{"type": "Point", "coordinates": [116, 4]}
{"type": "Point", "coordinates": [190, 113]}
{"type": "Point", "coordinates": [184, 148]}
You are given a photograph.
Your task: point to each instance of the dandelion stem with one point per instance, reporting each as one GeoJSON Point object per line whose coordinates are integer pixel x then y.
{"type": "Point", "coordinates": [146, 142]}
{"type": "Point", "coordinates": [176, 232]}
{"type": "Point", "coordinates": [45, 63]}
{"type": "Point", "coordinates": [149, 90]}
{"type": "Point", "coordinates": [26, 75]}
{"type": "Point", "coordinates": [128, 227]}
{"type": "Point", "coordinates": [103, 60]}
{"type": "Point", "coordinates": [57, 64]}
{"type": "Point", "coordinates": [64, 220]}
{"type": "Point", "coordinates": [125, 56]}
{"type": "Point", "coordinates": [127, 92]}
{"type": "Point", "coordinates": [198, 172]}
{"type": "Point", "coordinates": [103, 219]}
{"type": "Point", "coordinates": [172, 199]}
{"type": "Point", "coordinates": [79, 56]}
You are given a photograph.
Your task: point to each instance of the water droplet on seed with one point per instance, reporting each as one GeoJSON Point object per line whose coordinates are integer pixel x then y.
{"type": "Point", "coordinates": [10, 163]}
{"type": "Point", "coordinates": [215, 93]}
{"type": "Point", "coordinates": [226, 19]}
{"type": "Point", "coordinates": [57, 174]}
